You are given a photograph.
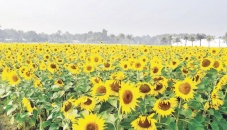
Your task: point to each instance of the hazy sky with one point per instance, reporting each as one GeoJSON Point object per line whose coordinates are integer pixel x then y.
{"type": "Point", "coordinates": [137, 17]}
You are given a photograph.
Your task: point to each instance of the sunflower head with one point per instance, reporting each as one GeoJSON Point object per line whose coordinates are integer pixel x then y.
{"type": "Point", "coordinates": [128, 95]}
{"type": "Point", "coordinates": [89, 122]}
{"type": "Point", "coordinates": [165, 107]}
{"type": "Point", "coordinates": [144, 123]}
{"type": "Point", "coordinates": [185, 89]}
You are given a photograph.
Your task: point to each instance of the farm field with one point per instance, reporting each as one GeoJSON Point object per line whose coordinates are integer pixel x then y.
{"type": "Point", "coordinates": [113, 87]}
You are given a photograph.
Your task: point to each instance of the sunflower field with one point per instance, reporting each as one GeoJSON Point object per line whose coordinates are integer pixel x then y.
{"type": "Point", "coordinates": [113, 87]}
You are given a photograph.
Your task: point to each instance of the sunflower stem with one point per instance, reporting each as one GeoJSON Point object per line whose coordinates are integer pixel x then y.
{"type": "Point", "coordinates": [119, 118]}
{"type": "Point", "coordinates": [178, 113]}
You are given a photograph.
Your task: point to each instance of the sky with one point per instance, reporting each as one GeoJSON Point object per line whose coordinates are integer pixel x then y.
{"type": "Point", "coordinates": [135, 17]}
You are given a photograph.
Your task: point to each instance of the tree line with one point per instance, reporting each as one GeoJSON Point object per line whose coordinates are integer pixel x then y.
{"type": "Point", "coordinates": [12, 35]}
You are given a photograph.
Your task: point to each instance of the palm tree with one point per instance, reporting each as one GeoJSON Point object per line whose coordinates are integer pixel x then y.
{"type": "Point", "coordinates": [209, 38]}
{"type": "Point", "coordinates": [192, 39]}
{"type": "Point", "coordinates": [186, 39]}
{"type": "Point", "coordinates": [200, 37]}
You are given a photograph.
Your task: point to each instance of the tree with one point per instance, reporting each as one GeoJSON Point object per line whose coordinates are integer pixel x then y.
{"type": "Point", "coordinates": [176, 40]}
{"type": "Point", "coordinates": [200, 37]}
{"type": "Point", "coordinates": [225, 38]}
{"type": "Point", "coordinates": [209, 38]}
{"type": "Point", "coordinates": [192, 39]}
{"type": "Point", "coordinates": [129, 37]}
{"type": "Point", "coordinates": [112, 36]}
{"type": "Point", "coordinates": [169, 38]}
{"type": "Point", "coordinates": [185, 37]}
{"type": "Point", "coordinates": [121, 36]}
{"type": "Point", "coordinates": [164, 40]}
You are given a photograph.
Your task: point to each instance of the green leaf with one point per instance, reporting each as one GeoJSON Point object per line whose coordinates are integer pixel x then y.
{"type": "Point", "coordinates": [46, 123]}
{"type": "Point", "coordinates": [223, 124]}
{"type": "Point", "coordinates": [105, 106]}
{"type": "Point", "coordinates": [53, 127]}
{"type": "Point", "coordinates": [217, 115]}
{"type": "Point", "coordinates": [173, 126]}
{"type": "Point", "coordinates": [214, 126]}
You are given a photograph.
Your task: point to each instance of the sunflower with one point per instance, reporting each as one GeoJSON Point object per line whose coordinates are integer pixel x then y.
{"type": "Point", "coordinates": [174, 63]}
{"type": "Point", "coordinates": [37, 83]}
{"type": "Point", "coordinates": [13, 78]}
{"type": "Point", "coordinates": [89, 67]}
{"type": "Point", "coordinates": [101, 91]}
{"type": "Point", "coordinates": [216, 101]}
{"type": "Point", "coordinates": [5, 73]}
{"type": "Point", "coordinates": [52, 67]}
{"type": "Point", "coordinates": [124, 65]}
{"type": "Point", "coordinates": [27, 75]}
{"type": "Point", "coordinates": [156, 69]}
{"type": "Point", "coordinates": [165, 107]}
{"type": "Point", "coordinates": [138, 65]}
{"type": "Point", "coordinates": [144, 123]}
{"type": "Point", "coordinates": [42, 66]}
{"type": "Point", "coordinates": [160, 85]}
{"type": "Point", "coordinates": [89, 122]}
{"type": "Point", "coordinates": [95, 80]}
{"type": "Point", "coordinates": [73, 68]}
{"type": "Point", "coordinates": [59, 82]}
{"type": "Point", "coordinates": [185, 89]}
{"type": "Point", "coordinates": [218, 65]}
{"type": "Point", "coordinates": [27, 104]}
{"type": "Point", "coordinates": [114, 86]}
{"type": "Point", "coordinates": [118, 76]}
{"type": "Point", "coordinates": [206, 63]}
{"type": "Point", "coordinates": [108, 66]}
{"type": "Point", "coordinates": [144, 88]}
{"type": "Point", "coordinates": [68, 109]}
{"type": "Point", "coordinates": [86, 103]}
{"type": "Point", "coordinates": [128, 95]}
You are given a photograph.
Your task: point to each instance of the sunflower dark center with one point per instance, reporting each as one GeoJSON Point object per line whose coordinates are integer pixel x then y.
{"type": "Point", "coordinates": [155, 69]}
{"type": "Point", "coordinates": [158, 79]}
{"type": "Point", "coordinates": [158, 87]}
{"type": "Point", "coordinates": [127, 96]}
{"type": "Point", "coordinates": [144, 88]}
{"type": "Point", "coordinates": [125, 66]}
{"type": "Point", "coordinates": [107, 65]}
{"type": "Point", "coordinates": [144, 124]}
{"type": "Point", "coordinates": [53, 66]}
{"type": "Point", "coordinates": [206, 63]}
{"type": "Point", "coordinates": [164, 105]}
{"type": "Point", "coordinates": [59, 81]}
{"type": "Point", "coordinates": [185, 88]}
{"type": "Point", "coordinates": [174, 62]}
{"type": "Point", "coordinates": [68, 106]}
{"type": "Point", "coordinates": [15, 78]}
{"type": "Point", "coordinates": [185, 71]}
{"type": "Point", "coordinates": [96, 80]}
{"type": "Point", "coordinates": [88, 102]}
{"type": "Point", "coordinates": [96, 59]}
{"type": "Point", "coordinates": [101, 90]}
{"type": "Point", "coordinates": [73, 67]}
{"type": "Point", "coordinates": [138, 65]}
{"type": "Point", "coordinates": [92, 126]}
{"type": "Point", "coordinates": [89, 68]}
{"type": "Point", "coordinates": [216, 64]}
{"type": "Point", "coordinates": [27, 74]}
{"type": "Point", "coordinates": [115, 86]}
